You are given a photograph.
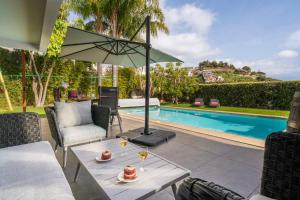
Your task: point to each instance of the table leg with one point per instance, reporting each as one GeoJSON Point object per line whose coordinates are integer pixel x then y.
{"type": "Point", "coordinates": [174, 189]}
{"type": "Point", "coordinates": [77, 172]}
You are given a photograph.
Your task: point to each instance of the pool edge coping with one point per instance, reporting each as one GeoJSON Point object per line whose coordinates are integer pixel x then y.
{"type": "Point", "coordinates": [236, 113]}
{"type": "Point", "coordinates": [258, 143]}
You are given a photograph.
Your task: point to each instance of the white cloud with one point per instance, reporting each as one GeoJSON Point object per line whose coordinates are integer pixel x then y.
{"type": "Point", "coordinates": [288, 54]}
{"type": "Point", "coordinates": [188, 39]}
{"type": "Point", "coordinates": [294, 40]}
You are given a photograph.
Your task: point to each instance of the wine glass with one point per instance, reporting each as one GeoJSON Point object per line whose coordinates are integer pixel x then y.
{"type": "Point", "coordinates": [143, 154]}
{"type": "Point", "coordinates": [123, 143]}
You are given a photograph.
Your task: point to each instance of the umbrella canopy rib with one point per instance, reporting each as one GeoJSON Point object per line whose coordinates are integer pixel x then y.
{"type": "Point", "coordinates": [113, 46]}
{"type": "Point", "coordinates": [138, 52]}
{"type": "Point", "coordinates": [77, 52]}
{"type": "Point", "coordinates": [131, 61]}
{"type": "Point", "coordinates": [83, 43]}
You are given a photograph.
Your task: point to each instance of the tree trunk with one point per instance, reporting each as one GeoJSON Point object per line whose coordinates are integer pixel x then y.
{"type": "Point", "coordinates": [38, 87]}
{"type": "Point", "coordinates": [35, 92]}
{"type": "Point", "coordinates": [114, 21]}
{"type": "Point", "coordinates": [99, 73]}
{"type": "Point", "coordinates": [5, 92]}
{"type": "Point", "coordinates": [47, 83]}
{"type": "Point", "coordinates": [115, 75]}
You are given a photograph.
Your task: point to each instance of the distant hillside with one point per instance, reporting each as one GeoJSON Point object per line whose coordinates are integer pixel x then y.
{"type": "Point", "coordinates": [213, 71]}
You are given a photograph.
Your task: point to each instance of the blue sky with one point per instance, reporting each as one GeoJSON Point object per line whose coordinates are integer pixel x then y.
{"type": "Point", "coordinates": [264, 34]}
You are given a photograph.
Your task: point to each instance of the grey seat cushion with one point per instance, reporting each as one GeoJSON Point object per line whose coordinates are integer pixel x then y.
{"type": "Point", "coordinates": [31, 172]}
{"type": "Point", "coordinates": [73, 114]}
{"type": "Point", "coordinates": [81, 134]}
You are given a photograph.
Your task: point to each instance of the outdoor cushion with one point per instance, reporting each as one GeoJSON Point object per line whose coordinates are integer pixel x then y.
{"type": "Point", "coordinates": [198, 103]}
{"type": "Point", "coordinates": [214, 104]}
{"type": "Point", "coordinates": [31, 172]}
{"type": "Point", "coordinates": [84, 133]}
{"type": "Point", "coordinates": [73, 114]}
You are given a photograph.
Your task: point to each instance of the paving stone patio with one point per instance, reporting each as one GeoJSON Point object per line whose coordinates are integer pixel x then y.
{"type": "Point", "coordinates": [230, 164]}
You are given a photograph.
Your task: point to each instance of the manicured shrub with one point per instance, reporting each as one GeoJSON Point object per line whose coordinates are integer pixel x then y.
{"type": "Point", "coordinates": [274, 95]}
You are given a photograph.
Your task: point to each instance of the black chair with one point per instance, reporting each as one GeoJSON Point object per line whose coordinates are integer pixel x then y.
{"type": "Point", "coordinates": [109, 97]}
{"type": "Point", "coordinates": [19, 128]}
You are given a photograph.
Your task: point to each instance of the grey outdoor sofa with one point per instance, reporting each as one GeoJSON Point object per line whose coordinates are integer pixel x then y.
{"type": "Point", "coordinates": [84, 132]}
{"type": "Point", "coordinates": [28, 166]}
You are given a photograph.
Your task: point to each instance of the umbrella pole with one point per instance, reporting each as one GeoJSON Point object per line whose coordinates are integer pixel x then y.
{"type": "Point", "coordinates": [147, 95]}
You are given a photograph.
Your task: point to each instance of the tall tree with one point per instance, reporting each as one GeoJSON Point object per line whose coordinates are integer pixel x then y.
{"type": "Point", "coordinates": [119, 18]}
{"type": "Point", "coordinates": [126, 16]}
{"type": "Point", "coordinates": [41, 67]}
{"type": "Point", "coordinates": [159, 81]}
{"type": "Point", "coordinates": [92, 11]}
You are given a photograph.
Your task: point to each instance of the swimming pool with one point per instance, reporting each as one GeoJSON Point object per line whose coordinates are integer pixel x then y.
{"type": "Point", "coordinates": [243, 125]}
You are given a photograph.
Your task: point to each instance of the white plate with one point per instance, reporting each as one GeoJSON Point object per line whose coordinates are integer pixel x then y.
{"type": "Point", "coordinates": [100, 160]}
{"type": "Point", "coordinates": [121, 178]}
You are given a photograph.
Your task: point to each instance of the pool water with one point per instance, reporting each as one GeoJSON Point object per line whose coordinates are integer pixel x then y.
{"type": "Point", "coordinates": [243, 125]}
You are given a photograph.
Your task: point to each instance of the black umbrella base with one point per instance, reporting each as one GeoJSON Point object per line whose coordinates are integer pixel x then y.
{"type": "Point", "coordinates": [156, 137]}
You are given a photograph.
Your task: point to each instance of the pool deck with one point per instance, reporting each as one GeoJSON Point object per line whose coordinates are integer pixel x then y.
{"type": "Point", "coordinates": [232, 164]}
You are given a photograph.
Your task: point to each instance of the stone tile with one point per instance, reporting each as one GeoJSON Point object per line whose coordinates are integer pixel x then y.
{"type": "Point", "coordinates": [234, 175]}
{"type": "Point", "coordinates": [213, 147]}
{"type": "Point", "coordinates": [253, 157]}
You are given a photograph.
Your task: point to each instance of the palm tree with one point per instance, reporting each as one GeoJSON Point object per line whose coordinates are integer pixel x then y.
{"type": "Point", "coordinates": [126, 16]}
{"type": "Point", "coordinates": [119, 18]}
{"type": "Point", "coordinates": [93, 11]}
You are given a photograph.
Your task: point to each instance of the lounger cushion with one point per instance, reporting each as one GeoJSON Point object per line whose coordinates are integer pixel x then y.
{"type": "Point", "coordinates": [80, 134]}
{"type": "Point", "coordinates": [214, 104]}
{"type": "Point", "coordinates": [198, 103]}
{"type": "Point", "coordinates": [73, 114]}
{"type": "Point", "coordinates": [31, 172]}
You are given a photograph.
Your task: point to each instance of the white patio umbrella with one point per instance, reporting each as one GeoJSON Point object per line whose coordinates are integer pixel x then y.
{"type": "Point", "coordinates": [94, 47]}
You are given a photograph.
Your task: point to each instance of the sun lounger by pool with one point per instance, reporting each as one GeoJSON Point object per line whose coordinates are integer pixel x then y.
{"type": "Point", "coordinates": [214, 103]}
{"type": "Point", "coordinates": [198, 102]}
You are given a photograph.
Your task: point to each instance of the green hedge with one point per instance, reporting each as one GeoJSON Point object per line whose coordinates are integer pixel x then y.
{"type": "Point", "coordinates": [273, 95]}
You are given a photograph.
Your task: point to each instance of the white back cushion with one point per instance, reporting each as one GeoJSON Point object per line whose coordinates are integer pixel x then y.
{"type": "Point", "coordinates": [73, 114]}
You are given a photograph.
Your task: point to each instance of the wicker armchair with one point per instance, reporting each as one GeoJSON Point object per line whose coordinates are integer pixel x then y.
{"type": "Point", "coordinates": [281, 171]}
{"type": "Point", "coordinates": [19, 128]}
{"type": "Point", "coordinates": [100, 116]}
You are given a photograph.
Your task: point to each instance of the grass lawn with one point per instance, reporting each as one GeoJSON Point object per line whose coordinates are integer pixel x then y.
{"type": "Point", "coordinates": [39, 110]}
{"type": "Point", "coordinates": [280, 113]}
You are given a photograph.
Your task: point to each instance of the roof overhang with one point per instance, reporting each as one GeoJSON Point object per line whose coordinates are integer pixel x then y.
{"type": "Point", "coordinates": [27, 24]}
